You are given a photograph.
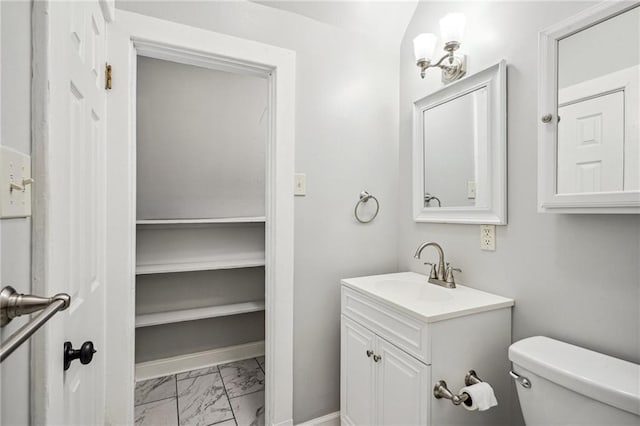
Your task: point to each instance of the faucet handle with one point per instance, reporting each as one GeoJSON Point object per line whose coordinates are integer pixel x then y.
{"type": "Point", "coordinates": [452, 268]}
{"type": "Point", "coordinates": [433, 274]}
{"type": "Point", "coordinates": [449, 274]}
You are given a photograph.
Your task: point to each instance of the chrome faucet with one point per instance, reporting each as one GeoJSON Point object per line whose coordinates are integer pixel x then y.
{"type": "Point", "coordinates": [440, 274]}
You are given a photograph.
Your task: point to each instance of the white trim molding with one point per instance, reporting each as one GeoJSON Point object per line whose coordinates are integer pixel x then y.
{"type": "Point", "coordinates": [189, 362]}
{"type": "Point", "coordinates": [491, 164]}
{"type": "Point", "coordinates": [331, 419]}
{"type": "Point", "coordinates": [131, 35]}
{"type": "Point", "coordinates": [549, 200]}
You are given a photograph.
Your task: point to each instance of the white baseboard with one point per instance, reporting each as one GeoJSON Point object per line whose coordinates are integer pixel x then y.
{"type": "Point", "coordinates": [331, 419]}
{"type": "Point", "coordinates": [283, 423]}
{"type": "Point", "coordinates": [194, 361]}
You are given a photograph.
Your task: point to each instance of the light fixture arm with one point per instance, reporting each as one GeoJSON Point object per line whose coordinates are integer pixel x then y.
{"type": "Point", "coordinates": [455, 69]}
{"type": "Point", "coordinates": [446, 55]}
{"type": "Point", "coordinates": [424, 64]}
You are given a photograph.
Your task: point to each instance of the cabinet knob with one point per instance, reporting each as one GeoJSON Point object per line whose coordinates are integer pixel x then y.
{"type": "Point", "coordinates": [547, 118]}
{"type": "Point", "coordinates": [377, 358]}
{"type": "Point", "coordinates": [369, 353]}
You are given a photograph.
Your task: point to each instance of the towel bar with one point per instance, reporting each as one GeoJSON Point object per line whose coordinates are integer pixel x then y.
{"type": "Point", "coordinates": [14, 304]}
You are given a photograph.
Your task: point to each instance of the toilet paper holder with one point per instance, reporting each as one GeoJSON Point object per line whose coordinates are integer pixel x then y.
{"type": "Point", "coordinates": [440, 390]}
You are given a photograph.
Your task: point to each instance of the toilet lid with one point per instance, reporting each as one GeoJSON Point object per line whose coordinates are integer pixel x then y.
{"type": "Point", "coordinates": [598, 376]}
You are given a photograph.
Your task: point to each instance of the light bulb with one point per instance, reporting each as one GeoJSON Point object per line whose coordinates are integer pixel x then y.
{"type": "Point", "coordinates": [452, 28]}
{"type": "Point", "coordinates": [423, 46]}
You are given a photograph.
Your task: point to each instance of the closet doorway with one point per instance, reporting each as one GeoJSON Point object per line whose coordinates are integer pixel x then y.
{"type": "Point", "coordinates": [200, 229]}
{"type": "Point", "coordinates": [204, 124]}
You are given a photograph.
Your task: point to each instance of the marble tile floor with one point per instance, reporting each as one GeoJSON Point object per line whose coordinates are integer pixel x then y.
{"type": "Point", "coordinates": [223, 395]}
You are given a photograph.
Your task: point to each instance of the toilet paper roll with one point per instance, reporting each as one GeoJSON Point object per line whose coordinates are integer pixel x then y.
{"type": "Point", "coordinates": [481, 395]}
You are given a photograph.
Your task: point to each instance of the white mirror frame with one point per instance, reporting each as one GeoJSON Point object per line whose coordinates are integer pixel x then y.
{"type": "Point", "coordinates": [492, 165]}
{"type": "Point", "coordinates": [548, 200]}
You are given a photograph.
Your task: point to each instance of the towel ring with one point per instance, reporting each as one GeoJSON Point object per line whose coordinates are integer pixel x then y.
{"type": "Point", "coordinates": [365, 197]}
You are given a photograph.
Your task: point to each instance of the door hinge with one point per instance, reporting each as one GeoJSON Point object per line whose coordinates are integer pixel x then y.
{"type": "Point", "coordinates": [107, 76]}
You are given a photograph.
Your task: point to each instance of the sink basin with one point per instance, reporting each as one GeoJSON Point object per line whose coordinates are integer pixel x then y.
{"type": "Point", "coordinates": [422, 291]}
{"type": "Point", "coordinates": [411, 293]}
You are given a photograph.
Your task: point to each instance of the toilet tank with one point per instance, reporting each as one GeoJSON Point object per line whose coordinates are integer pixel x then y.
{"type": "Point", "coordinates": [571, 385]}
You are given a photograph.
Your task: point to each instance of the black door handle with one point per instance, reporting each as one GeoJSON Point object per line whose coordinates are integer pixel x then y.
{"type": "Point", "coordinates": [84, 354]}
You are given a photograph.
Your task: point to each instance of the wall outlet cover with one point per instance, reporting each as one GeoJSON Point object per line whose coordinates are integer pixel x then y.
{"type": "Point", "coordinates": [488, 237]}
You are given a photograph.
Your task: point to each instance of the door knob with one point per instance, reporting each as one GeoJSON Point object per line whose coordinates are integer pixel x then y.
{"type": "Point", "coordinates": [84, 354]}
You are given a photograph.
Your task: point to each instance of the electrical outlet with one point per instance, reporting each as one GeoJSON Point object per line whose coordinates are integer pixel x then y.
{"type": "Point", "coordinates": [488, 237]}
{"type": "Point", "coordinates": [300, 184]}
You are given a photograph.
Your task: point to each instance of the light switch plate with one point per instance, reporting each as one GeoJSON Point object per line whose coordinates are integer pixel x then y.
{"type": "Point", "coordinates": [300, 184]}
{"type": "Point", "coordinates": [471, 189]}
{"type": "Point", "coordinates": [488, 237]}
{"type": "Point", "coordinates": [15, 167]}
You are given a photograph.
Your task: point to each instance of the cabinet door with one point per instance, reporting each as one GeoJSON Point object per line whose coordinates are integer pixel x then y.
{"type": "Point", "coordinates": [403, 389]}
{"type": "Point", "coordinates": [357, 376]}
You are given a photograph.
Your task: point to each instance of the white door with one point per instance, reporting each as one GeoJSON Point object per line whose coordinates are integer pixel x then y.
{"type": "Point", "coordinates": [357, 387]}
{"type": "Point", "coordinates": [591, 145]}
{"type": "Point", "coordinates": [403, 389]}
{"type": "Point", "coordinates": [69, 216]}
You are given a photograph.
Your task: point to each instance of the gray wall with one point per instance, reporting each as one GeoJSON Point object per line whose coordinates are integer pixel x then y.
{"type": "Point", "coordinates": [573, 277]}
{"type": "Point", "coordinates": [16, 233]}
{"type": "Point", "coordinates": [346, 141]}
{"type": "Point", "coordinates": [201, 142]}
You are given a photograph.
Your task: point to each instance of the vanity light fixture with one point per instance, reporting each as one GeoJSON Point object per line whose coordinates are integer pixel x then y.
{"type": "Point", "coordinates": [453, 66]}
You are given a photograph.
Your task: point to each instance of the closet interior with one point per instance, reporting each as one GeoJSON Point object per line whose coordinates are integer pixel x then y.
{"type": "Point", "coordinates": [200, 229]}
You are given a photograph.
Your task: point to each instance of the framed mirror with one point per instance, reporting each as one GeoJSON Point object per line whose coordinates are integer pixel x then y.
{"type": "Point", "coordinates": [588, 105]}
{"type": "Point", "coordinates": [459, 151]}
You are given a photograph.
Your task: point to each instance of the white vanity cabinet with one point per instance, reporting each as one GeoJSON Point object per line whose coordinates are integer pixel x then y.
{"type": "Point", "coordinates": [357, 378]}
{"type": "Point", "coordinates": [400, 335]}
{"type": "Point", "coordinates": [380, 381]}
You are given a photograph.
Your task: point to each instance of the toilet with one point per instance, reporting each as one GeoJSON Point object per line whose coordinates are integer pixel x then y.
{"type": "Point", "coordinates": [563, 384]}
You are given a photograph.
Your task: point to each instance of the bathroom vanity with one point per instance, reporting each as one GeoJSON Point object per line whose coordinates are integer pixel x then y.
{"type": "Point", "coordinates": [400, 335]}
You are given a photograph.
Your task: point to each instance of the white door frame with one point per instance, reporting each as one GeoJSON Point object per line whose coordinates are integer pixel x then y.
{"type": "Point", "coordinates": [133, 34]}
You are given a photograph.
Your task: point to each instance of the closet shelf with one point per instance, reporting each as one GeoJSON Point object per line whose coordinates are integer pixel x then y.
{"type": "Point", "coordinates": [148, 320]}
{"type": "Point", "coordinates": [247, 219]}
{"type": "Point", "coordinates": [209, 265]}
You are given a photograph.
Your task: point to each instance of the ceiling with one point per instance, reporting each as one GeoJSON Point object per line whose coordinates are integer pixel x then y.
{"type": "Point", "coordinates": [385, 21]}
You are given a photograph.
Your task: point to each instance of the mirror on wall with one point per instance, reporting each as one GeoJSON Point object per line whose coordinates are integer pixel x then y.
{"type": "Point", "coordinates": [459, 151]}
{"type": "Point", "coordinates": [589, 103]}
{"type": "Point", "coordinates": [452, 151]}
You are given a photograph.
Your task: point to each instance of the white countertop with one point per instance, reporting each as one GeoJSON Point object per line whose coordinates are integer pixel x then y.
{"type": "Point", "coordinates": [411, 293]}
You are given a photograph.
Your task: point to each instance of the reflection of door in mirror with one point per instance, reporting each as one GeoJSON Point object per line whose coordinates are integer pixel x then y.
{"type": "Point", "coordinates": [455, 134]}
{"type": "Point", "coordinates": [598, 93]}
